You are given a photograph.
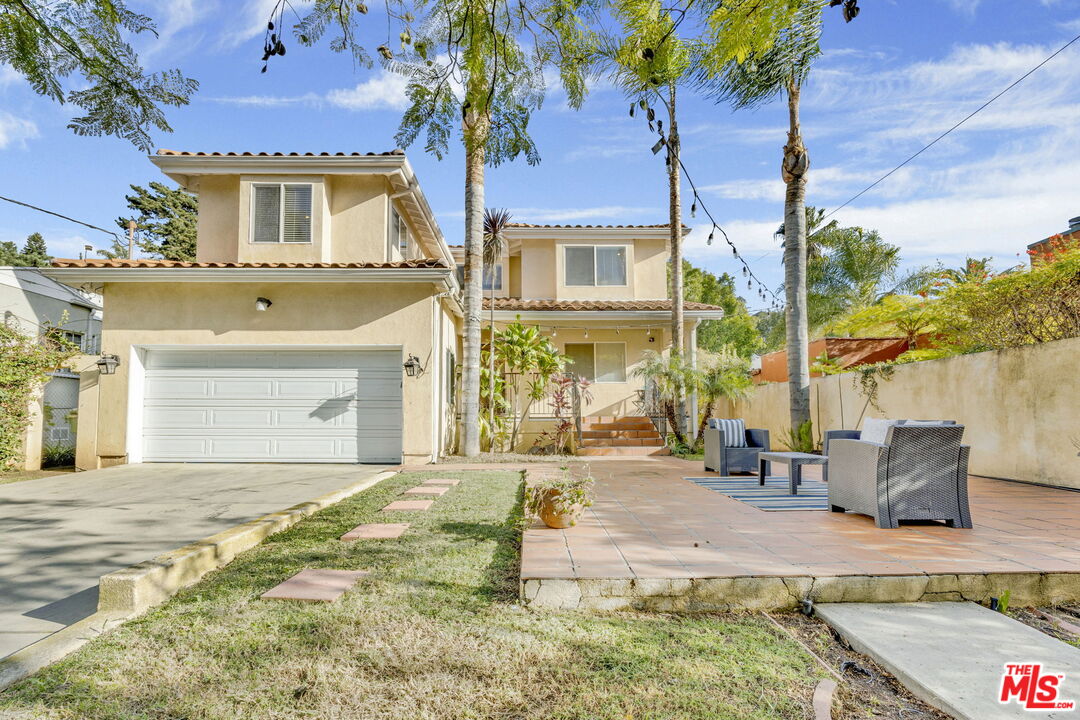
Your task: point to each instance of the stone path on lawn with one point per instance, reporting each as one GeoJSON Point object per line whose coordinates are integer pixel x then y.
{"type": "Point", "coordinates": [953, 655]}
{"type": "Point", "coordinates": [427, 490]}
{"type": "Point", "coordinates": [408, 505]}
{"type": "Point", "coordinates": [315, 585]}
{"type": "Point", "coordinates": [376, 531]}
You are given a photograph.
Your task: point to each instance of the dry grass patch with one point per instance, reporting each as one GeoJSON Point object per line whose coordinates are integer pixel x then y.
{"type": "Point", "coordinates": [434, 632]}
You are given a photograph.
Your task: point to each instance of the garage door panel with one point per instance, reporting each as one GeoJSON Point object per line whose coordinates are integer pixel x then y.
{"type": "Point", "coordinates": [268, 405]}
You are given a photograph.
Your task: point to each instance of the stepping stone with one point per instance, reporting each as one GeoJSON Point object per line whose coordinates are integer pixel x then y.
{"type": "Point", "coordinates": [443, 481]}
{"type": "Point", "coordinates": [953, 654]}
{"type": "Point", "coordinates": [315, 585]}
{"type": "Point", "coordinates": [431, 490]}
{"type": "Point", "coordinates": [376, 531]}
{"type": "Point", "coordinates": [409, 505]}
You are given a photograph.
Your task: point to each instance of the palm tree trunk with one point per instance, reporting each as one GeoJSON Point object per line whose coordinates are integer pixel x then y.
{"type": "Point", "coordinates": [676, 428]}
{"type": "Point", "coordinates": [795, 166]}
{"type": "Point", "coordinates": [675, 220]}
{"type": "Point", "coordinates": [706, 416]}
{"type": "Point", "coordinates": [491, 367]}
{"type": "Point", "coordinates": [475, 142]}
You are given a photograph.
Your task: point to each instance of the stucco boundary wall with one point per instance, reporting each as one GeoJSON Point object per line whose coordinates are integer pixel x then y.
{"type": "Point", "coordinates": [1020, 407]}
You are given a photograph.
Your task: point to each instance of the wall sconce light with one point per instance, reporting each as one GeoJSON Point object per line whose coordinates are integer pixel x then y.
{"type": "Point", "coordinates": [412, 366]}
{"type": "Point", "coordinates": [108, 363]}
{"type": "Point", "coordinates": [262, 304]}
{"type": "Point", "coordinates": [554, 332]}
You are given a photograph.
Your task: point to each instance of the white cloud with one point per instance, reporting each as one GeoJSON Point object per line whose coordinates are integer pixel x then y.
{"type": "Point", "coordinates": [383, 91]}
{"type": "Point", "coordinates": [252, 20]}
{"type": "Point", "coordinates": [16, 130]}
{"type": "Point", "coordinates": [172, 18]}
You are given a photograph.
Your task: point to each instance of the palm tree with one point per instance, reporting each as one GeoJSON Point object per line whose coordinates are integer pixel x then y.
{"type": "Point", "coordinates": [495, 224]}
{"type": "Point", "coordinates": [671, 377]}
{"type": "Point", "coordinates": [782, 70]}
{"type": "Point", "coordinates": [728, 375]}
{"type": "Point", "coordinates": [649, 63]}
{"type": "Point", "coordinates": [973, 270]}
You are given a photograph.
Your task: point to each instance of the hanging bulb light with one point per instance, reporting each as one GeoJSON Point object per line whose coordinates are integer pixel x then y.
{"type": "Point", "coordinates": [555, 331]}
{"type": "Point", "coordinates": [586, 333]}
{"type": "Point", "coordinates": [649, 332]}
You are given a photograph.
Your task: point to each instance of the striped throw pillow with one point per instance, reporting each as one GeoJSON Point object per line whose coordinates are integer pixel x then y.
{"type": "Point", "coordinates": [734, 431]}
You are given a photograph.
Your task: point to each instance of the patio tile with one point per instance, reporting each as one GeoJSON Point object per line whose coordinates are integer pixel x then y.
{"type": "Point", "coordinates": [315, 585]}
{"type": "Point", "coordinates": [376, 531]}
{"type": "Point", "coordinates": [429, 490]}
{"type": "Point", "coordinates": [408, 505]}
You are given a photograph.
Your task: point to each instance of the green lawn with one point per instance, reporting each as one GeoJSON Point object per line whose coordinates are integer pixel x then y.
{"type": "Point", "coordinates": [433, 632]}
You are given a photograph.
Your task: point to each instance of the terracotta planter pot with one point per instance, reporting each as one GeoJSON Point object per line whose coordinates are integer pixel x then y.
{"type": "Point", "coordinates": [555, 519]}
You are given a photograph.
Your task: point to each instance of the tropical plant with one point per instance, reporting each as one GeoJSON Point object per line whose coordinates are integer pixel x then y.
{"type": "Point", "coordinates": [563, 388]}
{"type": "Point", "coordinates": [57, 456]}
{"type": "Point", "coordinates": [973, 270]}
{"type": "Point", "coordinates": [672, 378]}
{"type": "Point", "coordinates": [467, 70]}
{"type": "Point", "coordinates": [48, 42]}
{"type": "Point", "coordinates": [25, 361]}
{"type": "Point", "coordinates": [911, 316]}
{"type": "Point", "coordinates": [495, 224]}
{"type": "Point", "coordinates": [759, 78]}
{"type": "Point", "coordinates": [566, 495]}
{"type": "Point", "coordinates": [165, 224]}
{"type": "Point", "coordinates": [531, 361]}
{"type": "Point", "coordinates": [800, 439]}
{"type": "Point", "coordinates": [726, 376]}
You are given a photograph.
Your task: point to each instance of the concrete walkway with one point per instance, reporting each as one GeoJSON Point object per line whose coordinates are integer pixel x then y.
{"type": "Point", "coordinates": [953, 655]}
{"type": "Point", "coordinates": [59, 535]}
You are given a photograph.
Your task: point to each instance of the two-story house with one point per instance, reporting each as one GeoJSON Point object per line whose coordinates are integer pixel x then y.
{"type": "Point", "coordinates": [601, 294]}
{"type": "Point", "coordinates": [319, 322]}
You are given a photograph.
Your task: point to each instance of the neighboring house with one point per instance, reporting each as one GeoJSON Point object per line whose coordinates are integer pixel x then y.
{"type": "Point", "coordinates": [1044, 246]}
{"type": "Point", "coordinates": [601, 294]}
{"type": "Point", "coordinates": [32, 302]}
{"type": "Point", "coordinates": [844, 352]}
{"type": "Point", "coordinates": [318, 278]}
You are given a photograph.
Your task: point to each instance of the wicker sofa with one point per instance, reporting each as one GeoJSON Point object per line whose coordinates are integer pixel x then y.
{"type": "Point", "coordinates": [720, 457]}
{"type": "Point", "coordinates": [918, 473]}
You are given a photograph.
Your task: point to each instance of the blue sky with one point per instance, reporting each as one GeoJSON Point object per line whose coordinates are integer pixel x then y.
{"type": "Point", "coordinates": [888, 83]}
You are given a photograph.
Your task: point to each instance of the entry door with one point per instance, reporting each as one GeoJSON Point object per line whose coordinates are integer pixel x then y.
{"type": "Point", "coordinates": [273, 405]}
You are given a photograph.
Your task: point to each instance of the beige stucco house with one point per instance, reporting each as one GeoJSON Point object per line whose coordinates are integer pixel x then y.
{"type": "Point", "coordinates": [321, 320]}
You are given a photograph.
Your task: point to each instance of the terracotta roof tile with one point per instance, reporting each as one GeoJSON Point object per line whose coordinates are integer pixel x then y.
{"type": "Point", "coordinates": [514, 304]}
{"type": "Point", "coordinates": [118, 263]}
{"type": "Point", "coordinates": [185, 153]}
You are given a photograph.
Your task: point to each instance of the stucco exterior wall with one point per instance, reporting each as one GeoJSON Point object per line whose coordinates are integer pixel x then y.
{"type": "Point", "coordinates": [537, 270]}
{"type": "Point", "coordinates": [141, 314]}
{"type": "Point", "coordinates": [1019, 407]}
{"type": "Point", "coordinates": [358, 218]}
{"type": "Point", "coordinates": [218, 226]}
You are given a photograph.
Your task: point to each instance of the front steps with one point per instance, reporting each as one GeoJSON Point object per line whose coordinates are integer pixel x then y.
{"type": "Point", "coordinates": [610, 436]}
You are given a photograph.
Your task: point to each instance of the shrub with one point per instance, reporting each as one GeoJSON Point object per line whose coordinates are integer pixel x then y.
{"type": "Point", "coordinates": [24, 363]}
{"type": "Point", "coordinates": [57, 456]}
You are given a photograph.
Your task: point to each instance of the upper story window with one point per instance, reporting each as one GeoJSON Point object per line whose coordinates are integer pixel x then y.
{"type": "Point", "coordinates": [281, 213]}
{"type": "Point", "coordinates": [399, 233]}
{"type": "Point", "coordinates": [75, 338]}
{"type": "Point", "coordinates": [595, 265]}
{"type": "Point", "coordinates": [488, 284]}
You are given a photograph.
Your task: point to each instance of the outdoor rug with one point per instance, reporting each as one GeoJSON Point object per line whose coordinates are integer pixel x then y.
{"type": "Point", "coordinates": [813, 494]}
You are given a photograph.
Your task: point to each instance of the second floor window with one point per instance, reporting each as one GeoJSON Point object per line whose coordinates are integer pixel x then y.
{"type": "Point", "coordinates": [595, 265]}
{"type": "Point", "coordinates": [281, 213]}
{"type": "Point", "coordinates": [399, 233]}
{"type": "Point", "coordinates": [488, 284]}
{"type": "Point", "coordinates": [76, 338]}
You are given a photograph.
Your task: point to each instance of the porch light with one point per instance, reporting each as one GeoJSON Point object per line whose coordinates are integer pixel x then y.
{"type": "Point", "coordinates": [108, 363]}
{"type": "Point", "coordinates": [586, 333]}
{"type": "Point", "coordinates": [554, 332]}
{"type": "Point", "coordinates": [262, 304]}
{"type": "Point", "coordinates": [412, 366]}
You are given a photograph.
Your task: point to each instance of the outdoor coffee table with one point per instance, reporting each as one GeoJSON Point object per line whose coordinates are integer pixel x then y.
{"type": "Point", "coordinates": [794, 462]}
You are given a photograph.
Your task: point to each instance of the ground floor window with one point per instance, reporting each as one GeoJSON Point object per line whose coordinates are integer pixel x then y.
{"type": "Point", "coordinates": [598, 362]}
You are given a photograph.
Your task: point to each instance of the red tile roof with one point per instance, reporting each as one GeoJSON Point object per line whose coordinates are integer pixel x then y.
{"type": "Point", "coordinates": [514, 304]}
{"type": "Point", "coordinates": [118, 263]}
{"type": "Point", "coordinates": [185, 153]}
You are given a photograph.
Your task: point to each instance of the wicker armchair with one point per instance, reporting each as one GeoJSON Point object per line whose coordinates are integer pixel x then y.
{"type": "Point", "coordinates": [919, 473]}
{"type": "Point", "coordinates": [726, 460]}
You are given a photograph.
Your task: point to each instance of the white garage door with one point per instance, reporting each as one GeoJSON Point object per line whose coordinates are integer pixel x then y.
{"type": "Point", "coordinates": [260, 405]}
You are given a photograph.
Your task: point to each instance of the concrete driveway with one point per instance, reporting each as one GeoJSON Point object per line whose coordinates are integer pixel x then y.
{"type": "Point", "coordinates": [58, 535]}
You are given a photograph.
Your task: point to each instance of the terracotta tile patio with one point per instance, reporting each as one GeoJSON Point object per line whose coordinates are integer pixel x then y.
{"type": "Point", "coordinates": [648, 522]}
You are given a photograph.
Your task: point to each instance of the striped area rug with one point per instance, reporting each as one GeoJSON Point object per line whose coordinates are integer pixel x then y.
{"type": "Point", "coordinates": [813, 494]}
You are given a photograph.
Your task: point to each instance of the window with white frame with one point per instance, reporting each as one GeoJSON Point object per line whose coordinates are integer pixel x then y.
{"type": "Point", "coordinates": [490, 283]}
{"type": "Point", "coordinates": [399, 233]}
{"type": "Point", "coordinates": [598, 362]}
{"type": "Point", "coordinates": [595, 265]}
{"type": "Point", "coordinates": [281, 213]}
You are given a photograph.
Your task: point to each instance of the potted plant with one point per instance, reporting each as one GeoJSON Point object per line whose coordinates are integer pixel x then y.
{"type": "Point", "coordinates": [560, 501]}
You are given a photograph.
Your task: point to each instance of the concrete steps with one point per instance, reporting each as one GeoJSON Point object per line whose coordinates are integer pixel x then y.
{"type": "Point", "coordinates": [612, 436]}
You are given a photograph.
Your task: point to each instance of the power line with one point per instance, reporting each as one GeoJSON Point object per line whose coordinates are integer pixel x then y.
{"type": "Point", "coordinates": [933, 142]}
{"type": "Point", "coordinates": [56, 214]}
